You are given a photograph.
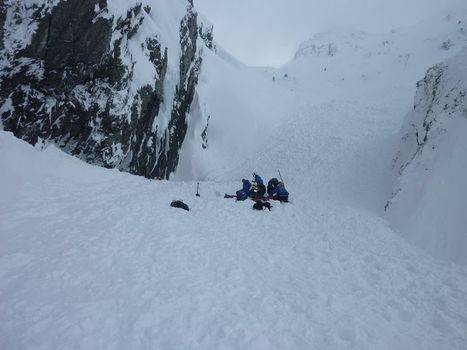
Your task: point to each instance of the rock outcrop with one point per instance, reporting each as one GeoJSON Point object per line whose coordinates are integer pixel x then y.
{"type": "Point", "coordinates": [95, 81]}
{"type": "Point", "coordinates": [428, 205]}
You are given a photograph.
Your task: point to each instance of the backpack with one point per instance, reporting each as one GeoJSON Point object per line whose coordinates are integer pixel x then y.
{"type": "Point", "coordinates": [179, 204]}
{"type": "Point", "coordinates": [259, 205]}
{"type": "Point", "coordinates": [241, 195]}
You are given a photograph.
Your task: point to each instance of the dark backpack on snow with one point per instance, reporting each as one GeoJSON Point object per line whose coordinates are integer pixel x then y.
{"type": "Point", "coordinates": [259, 205]}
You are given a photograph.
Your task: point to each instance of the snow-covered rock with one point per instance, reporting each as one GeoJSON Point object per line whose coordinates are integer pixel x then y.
{"type": "Point", "coordinates": [429, 204]}
{"type": "Point", "coordinates": [157, 97]}
{"type": "Point", "coordinates": [111, 82]}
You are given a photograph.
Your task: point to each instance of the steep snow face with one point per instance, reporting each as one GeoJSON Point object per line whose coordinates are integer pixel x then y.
{"type": "Point", "coordinates": [431, 194]}
{"type": "Point", "coordinates": [110, 82]}
{"type": "Point", "coordinates": [236, 112]}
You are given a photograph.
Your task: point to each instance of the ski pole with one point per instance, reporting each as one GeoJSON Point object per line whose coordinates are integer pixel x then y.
{"type": "Point", "coordinates": [282, 180]}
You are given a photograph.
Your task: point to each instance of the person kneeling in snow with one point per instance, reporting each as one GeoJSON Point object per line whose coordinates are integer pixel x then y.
{"type": "Point", "coordinates": [279, 193]}
{"type": "Point", "coordinates": [258, 189]}
{"type": "Point", "coordinates": [272, 184]}
{"type": "Point", "coordinates": [245, 191]}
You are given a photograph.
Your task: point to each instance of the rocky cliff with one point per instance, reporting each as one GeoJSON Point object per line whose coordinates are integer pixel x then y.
{"type": "Point", "coordinates": [430, 195]}
{"type": "Point", "coordinates": [111, 82]}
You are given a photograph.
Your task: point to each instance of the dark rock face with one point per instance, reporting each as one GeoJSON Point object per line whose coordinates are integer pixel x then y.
{"type": "Point", "coordinates": [2, 23]}
{"type": "Point", "coordinates": [430, 191]}
{"type": "Point", "coordinates": [72, 83]}
{"type": "Point", "coordinates": [190, 66]}
{"type": "Point", "coordinates": [441, 98]}
{"type": "Point", "coordinates": [434, 102]}
{"type": "Point", "coordinates": [68, 37]}
{"type": "Point", "coordinates": [206, 33]}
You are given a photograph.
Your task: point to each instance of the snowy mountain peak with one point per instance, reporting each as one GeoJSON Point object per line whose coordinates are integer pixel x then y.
{"type": "Point", "coordinates": [442, 32]}
{"type": "Point", "coordinates": [329, 43]}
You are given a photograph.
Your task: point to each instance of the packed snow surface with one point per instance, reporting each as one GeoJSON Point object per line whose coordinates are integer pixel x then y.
{"type": "Point", "coordinates": [92, 258]}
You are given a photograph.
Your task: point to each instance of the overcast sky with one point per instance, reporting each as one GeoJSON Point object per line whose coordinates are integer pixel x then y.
{"type": "Point", "coordinates": [268, 32]}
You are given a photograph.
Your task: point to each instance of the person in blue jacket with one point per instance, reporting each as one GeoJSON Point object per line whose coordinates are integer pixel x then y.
{"type": "Point", "coordinates": [245, 191]}
{"type": "Point", "coordinates": [272, 184]}
{"type": "Point", "coordinates": [258, 189]}
{"type": "Point", "coordinates": [258, 179]}
{"type": "Point", "coordinates": [279, 193]}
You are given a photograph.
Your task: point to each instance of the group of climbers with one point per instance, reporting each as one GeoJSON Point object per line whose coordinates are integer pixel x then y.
{"type": "Point", "coordinates": [256, 190]}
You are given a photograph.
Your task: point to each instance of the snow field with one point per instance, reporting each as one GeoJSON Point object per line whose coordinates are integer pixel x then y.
{"type": "Point", "coordinates": [93, 258]}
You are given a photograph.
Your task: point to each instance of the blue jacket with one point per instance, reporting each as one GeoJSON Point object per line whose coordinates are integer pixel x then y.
{"type": "Point", "coordinates": [246, 187]}
{"type": "Point", "coordinates": [280, 191]}
{"type": "Point", "coordinates": [259, 180]}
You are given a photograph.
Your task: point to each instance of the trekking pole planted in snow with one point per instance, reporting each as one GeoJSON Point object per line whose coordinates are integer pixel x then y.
{"type": "Point", "coordinates": [197, 190]}
{"type": "Point", "coordinates": [282, 180]}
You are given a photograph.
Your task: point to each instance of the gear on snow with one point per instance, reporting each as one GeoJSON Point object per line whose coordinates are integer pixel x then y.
{"type": "Point", "coordinates": [260, 205]}
{"type": "Point", "coordinates": [179, 204]}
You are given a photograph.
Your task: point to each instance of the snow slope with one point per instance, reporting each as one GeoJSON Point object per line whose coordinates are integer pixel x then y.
{"type": "Point", "coordinates": [243, 109]}
{"type": "Point", "coordinates": [92, 258]}
{"type": "Point", "coordinates": [369, 79]}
